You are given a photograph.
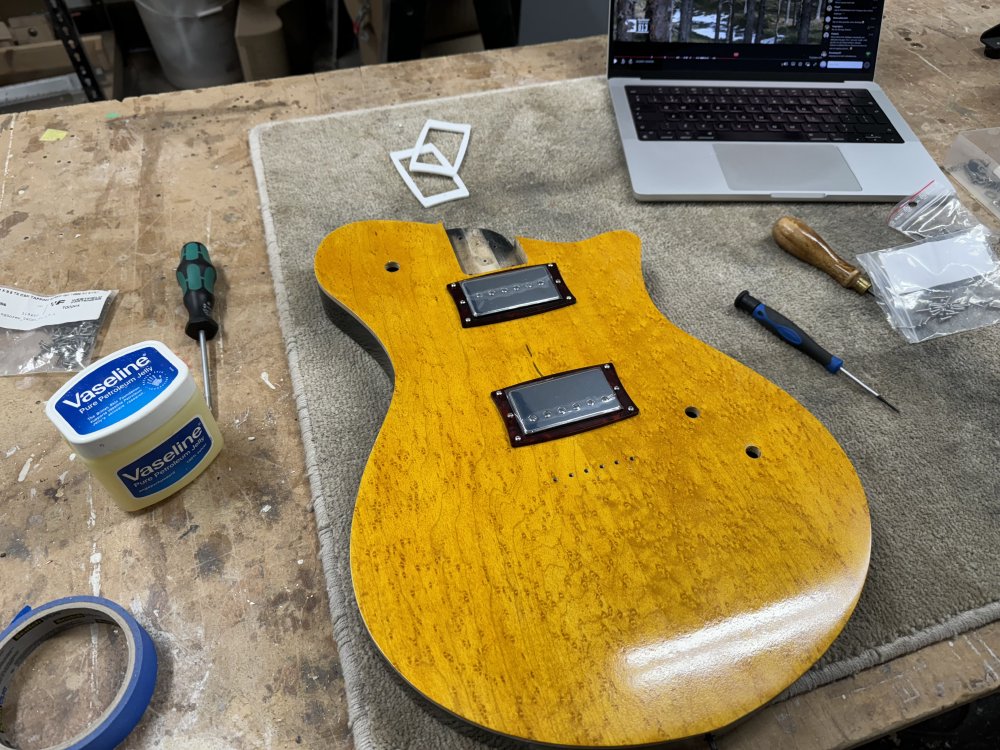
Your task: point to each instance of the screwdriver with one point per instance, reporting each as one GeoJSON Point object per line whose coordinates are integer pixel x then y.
{"type": "Point", "coordinates": [797, 238]}
{"type": "Point", "coordinates": [790, 333]}
{"type": "Point", "coordinates": [196, 275]}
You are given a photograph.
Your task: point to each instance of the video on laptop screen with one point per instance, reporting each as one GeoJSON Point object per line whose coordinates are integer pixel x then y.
{"type": "Point", "coordinates": [808, 39]}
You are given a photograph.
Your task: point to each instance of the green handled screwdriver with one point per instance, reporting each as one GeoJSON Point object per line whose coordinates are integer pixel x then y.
{"type": "Point", "coordinates": [196, 275]}
{"type": "Point", "coordinates": [790, 333]}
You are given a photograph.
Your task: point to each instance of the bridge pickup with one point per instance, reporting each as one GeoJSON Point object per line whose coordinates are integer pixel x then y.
{"type": "Point", "coordinates": [507, 295]}
{"type": "Point", "coordinates": [565, 404]}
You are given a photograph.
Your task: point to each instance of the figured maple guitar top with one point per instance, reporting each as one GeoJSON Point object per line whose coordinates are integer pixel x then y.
{"type": "Point", "coordinates": [643, 581]}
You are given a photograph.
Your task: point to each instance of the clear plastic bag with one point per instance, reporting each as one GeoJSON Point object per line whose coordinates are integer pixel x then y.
{"type": "Point", "coordinates": [50, 334]}
{"type": "Point", "coordinates": [932, 211]}
{"type": "Point", "coordinates": [972, 160]}
{"type": "Point", "coordinates": [938, 286]}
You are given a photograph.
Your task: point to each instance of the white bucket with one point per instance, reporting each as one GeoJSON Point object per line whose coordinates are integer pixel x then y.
{"type": "Point", "coordinates": [193, 40]}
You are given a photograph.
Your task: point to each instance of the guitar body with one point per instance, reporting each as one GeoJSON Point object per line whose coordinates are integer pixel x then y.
{"type": "Point", "coordinates": [645, 580]}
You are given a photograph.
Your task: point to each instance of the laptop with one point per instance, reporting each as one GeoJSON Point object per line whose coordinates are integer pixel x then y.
{"type": "Point", "coordinates": [758, 100]}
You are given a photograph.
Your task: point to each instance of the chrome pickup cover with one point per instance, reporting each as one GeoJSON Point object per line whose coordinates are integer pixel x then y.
{"type": "Point", "coordinates": [507, 295]}
{"type": "Point", "coordinates": [563, 404]}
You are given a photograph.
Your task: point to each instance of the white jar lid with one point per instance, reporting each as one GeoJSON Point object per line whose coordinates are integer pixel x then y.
{"type": "Point", "coordinates": [121, 398]}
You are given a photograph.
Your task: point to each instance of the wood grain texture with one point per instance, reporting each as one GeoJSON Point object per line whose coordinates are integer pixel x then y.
{"type": "Point", "coordinates": [212, 570]}
{"type": "Point", "coordinates": [226, 576]}
{"type": "Point", "coordinates": [642, 582]}
{"type": "Point", "coordinates": [797, 238]}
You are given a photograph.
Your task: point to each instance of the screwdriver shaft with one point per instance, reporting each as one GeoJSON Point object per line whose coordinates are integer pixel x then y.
{"type": "Point", "coordinates": [869, 389]}
{"type": "Point", "coordinates": [204, 368]}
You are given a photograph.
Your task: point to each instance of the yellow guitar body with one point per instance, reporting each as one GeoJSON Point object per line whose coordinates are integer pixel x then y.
{"type": "Point", "coordinates": [646, 580]}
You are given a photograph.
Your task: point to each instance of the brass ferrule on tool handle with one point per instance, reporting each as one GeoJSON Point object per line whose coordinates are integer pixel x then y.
{"type": "Point", "coordinates": [801, 240]}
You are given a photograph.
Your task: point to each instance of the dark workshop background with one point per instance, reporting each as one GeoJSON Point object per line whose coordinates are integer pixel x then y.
{"type": "Point", "coordinates": [136, 47]}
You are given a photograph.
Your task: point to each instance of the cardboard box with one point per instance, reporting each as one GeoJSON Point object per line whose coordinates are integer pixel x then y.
{"type": "Point", "coordinates": [260, 40]}
{"type": "Point", "coordinates": [371, 30]}
{"type": "Point", "coordinates": [446, 19]}
{"type": "Point", "coordinates": [31, 29]}
{"type": "Point", "coordinates": [12, 8]}
{"type": "Point", "coordinates": [29, 62]}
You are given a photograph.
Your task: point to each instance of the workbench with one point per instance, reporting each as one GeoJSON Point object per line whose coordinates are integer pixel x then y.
{"type": "Point", "coordinates": [226, 575]}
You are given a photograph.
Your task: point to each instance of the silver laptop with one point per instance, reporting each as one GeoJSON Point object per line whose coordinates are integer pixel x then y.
{"type": "Point", "coordinates": [758, 100]}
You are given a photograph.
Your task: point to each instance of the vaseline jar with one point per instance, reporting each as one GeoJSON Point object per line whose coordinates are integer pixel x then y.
{"type": "Point", "coordinates": [139, 423]}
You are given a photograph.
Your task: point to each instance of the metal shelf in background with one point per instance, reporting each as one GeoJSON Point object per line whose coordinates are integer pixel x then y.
{"type": "Point", "coordinates": [66, 32]}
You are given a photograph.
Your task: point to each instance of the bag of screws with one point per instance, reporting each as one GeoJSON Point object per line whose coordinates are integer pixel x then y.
{"type": "Point", "coordinates": [50, 333]}
{"type": "Point", "coordinates": [974, 161]}
{"type": "Point", "coordinates": [937, 286]}
{"type": "Point", "coordinates": [932, 211]}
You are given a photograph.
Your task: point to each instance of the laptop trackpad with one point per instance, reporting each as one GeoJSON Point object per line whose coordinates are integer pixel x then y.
{"type": "Point", "coordinates": [780, 167]}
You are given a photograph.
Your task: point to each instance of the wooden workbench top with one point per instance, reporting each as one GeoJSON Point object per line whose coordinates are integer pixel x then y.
{"type": "Point", "coordinates": [226, 575]}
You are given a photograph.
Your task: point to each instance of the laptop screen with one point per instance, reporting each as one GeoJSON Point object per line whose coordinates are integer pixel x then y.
{"type": "Point", "coordinates": [816, 40]}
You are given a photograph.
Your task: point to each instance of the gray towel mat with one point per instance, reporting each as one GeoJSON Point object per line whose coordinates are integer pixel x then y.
{"type": "Point", "coordinates": [545, 162]}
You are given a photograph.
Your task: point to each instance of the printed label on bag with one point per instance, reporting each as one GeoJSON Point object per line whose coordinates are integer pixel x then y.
{"type": "Point", "coordinates": [24, 311]}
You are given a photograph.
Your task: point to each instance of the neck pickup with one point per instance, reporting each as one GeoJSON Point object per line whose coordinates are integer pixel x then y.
{"type": "Point", "coordinates": [507, 295]}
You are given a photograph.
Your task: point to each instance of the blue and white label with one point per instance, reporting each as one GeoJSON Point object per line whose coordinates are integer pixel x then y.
{"type": "Point", "coordinates": [116, 390]}
{"type": "Point", "coordinates": [169, 462]}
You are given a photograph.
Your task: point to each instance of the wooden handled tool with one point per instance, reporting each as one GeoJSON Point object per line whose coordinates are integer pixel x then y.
{"type": "Point", "coordinates": [802, 241]}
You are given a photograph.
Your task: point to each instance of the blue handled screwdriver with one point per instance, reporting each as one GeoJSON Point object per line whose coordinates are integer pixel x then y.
{"type": "Point", "coordinates": [790, 333]}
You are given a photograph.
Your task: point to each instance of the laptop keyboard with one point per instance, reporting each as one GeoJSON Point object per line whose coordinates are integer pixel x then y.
{"type": "Point", "coordinates": [697, 113]}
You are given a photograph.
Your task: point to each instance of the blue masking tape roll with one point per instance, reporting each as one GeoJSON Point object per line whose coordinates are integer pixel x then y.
{"type": "Point", "coordinates": [31, 627]}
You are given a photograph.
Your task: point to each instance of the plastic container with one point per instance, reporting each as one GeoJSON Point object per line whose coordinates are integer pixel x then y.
{"type": "Point", "coordinates": [974, 160]}
{"type": "Point", "coordinates": [139, 423]}
{"type": "Point", "coordinates": [193, 40]}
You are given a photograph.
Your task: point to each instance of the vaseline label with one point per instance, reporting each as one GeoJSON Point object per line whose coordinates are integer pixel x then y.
{"type": "Point", "coordinates": [169, 462]}
{"type": "Point", "coordinates": [116, 390]}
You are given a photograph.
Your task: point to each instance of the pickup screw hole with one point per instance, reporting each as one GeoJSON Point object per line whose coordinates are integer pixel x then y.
{"type": "Point", "coordinates": [392, 266]}
{"type": "Point", "coordinates": [753, 451]}
{"type": "Point", "coordinates": [692, 411]}
{"type": "Point", "coordinates": [586, 471]}
{"type": "Point", "coordinates": [631, 458]}
{"type": "Point", "coordinates": [616, 462]}
{"type": "Point", "coordinates": [571, 475]}
{"type": "Point", "coordinates": [601, 466]}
